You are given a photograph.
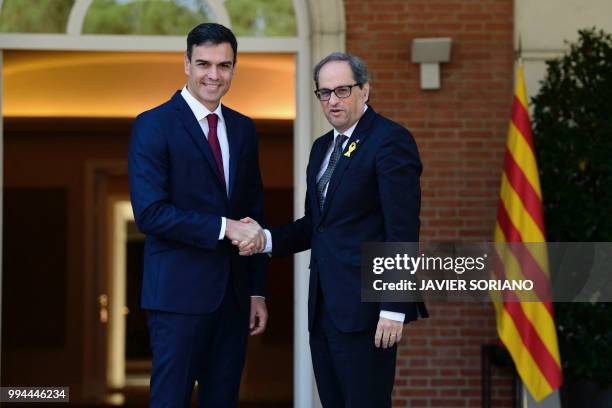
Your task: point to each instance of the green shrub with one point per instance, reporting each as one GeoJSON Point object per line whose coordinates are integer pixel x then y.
{"type": "Point", "coordinates": [573, 136]}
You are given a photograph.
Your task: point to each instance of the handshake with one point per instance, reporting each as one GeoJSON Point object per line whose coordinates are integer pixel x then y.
{"type": "Point", "coordinates": [247, 235]}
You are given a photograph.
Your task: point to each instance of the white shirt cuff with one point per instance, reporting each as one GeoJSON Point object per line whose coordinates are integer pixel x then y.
{"type": "Point", "coordinates": [222, 232]}
{"type": "Point", "coordinates": [268, 248]}
{"type": "Point", "coordinates": [258, 296]}
{"type": "Point", "coordinates": [398, 317]}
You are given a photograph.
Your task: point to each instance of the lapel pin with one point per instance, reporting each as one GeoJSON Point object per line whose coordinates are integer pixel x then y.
{"type": "Point", "coordinates": [351, 148]}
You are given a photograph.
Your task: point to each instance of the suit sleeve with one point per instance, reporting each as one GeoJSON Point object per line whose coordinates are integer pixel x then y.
{"type": "Point", "coordinates": [148, 170]}
{"type": "Point", "coordinates": [257, 263]}
{"type": "Point", "coordinates": [399, 168]}
{"type": "Point", "coordinates": [295, 237]}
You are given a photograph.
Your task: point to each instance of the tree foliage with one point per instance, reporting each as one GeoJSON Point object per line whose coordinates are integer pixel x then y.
{"type": "Point", "coordinates": [270, 18]}
{"type": "Point", "coordinates": [142, 17]}
{"type": "Point", "coordinates": [573, 136]}
{"type": "Point", "coordinates": [35, 16]}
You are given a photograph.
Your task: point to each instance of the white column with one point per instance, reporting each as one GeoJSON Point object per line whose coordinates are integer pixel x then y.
{"type": "Point", "coordinates": [303, 379]}
{"type": "Point", "coordinates": [552, 401]}
{"type": "Point", "coordinates": [321, 26]}
{"type": "Point", "coordinates": [1, 193]}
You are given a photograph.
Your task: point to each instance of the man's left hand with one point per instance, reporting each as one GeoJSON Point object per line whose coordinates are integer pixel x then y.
{"type": "Point", "coordinates": [388, 332]}
{"type": "Point", "coordinates": [259, 316]}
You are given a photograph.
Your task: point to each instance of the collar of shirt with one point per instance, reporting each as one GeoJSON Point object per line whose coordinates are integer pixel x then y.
{"type": "Point", "coordinates": [200, 111]}
{"type": "Point", "coordinates": [349, 131]}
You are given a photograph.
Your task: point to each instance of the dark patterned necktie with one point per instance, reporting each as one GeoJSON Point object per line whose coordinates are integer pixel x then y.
{"type": "Point", "coordinates": [213, 141]}
{"type": "Point", "coordinates": [329, 171]}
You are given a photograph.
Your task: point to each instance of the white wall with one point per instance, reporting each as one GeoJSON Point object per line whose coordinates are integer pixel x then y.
{"type": "Point", "coordinates": [544, 25]}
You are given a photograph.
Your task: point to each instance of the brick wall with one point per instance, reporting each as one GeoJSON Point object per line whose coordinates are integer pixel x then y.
{"type": "Point", "coordinates": [460, 131]}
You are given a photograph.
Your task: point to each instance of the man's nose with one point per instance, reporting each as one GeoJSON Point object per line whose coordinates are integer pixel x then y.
{"type": "Point", "coordinates": [213, 73]}
{"type": "Point", "coordinates": [333, 99]}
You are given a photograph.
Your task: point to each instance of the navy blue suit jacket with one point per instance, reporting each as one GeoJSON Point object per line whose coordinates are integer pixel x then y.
{"type": "Point", "coordinates": [373, 196]}
{"type": "Point", "coordinates": [178, 200]}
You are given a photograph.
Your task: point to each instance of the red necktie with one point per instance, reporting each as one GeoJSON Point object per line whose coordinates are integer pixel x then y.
{"type": "Point", "coordinates": [213, 141]}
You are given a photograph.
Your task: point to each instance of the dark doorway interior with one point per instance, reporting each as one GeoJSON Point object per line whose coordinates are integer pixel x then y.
{"type": "Point", "coordinates": [50, 301]}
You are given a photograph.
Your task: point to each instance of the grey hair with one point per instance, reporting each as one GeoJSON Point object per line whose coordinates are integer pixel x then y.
{"type": "Point", "coordinates": [359, 68]}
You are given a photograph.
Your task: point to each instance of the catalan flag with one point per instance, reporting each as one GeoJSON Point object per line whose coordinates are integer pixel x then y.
{"type": "Point", "coordinates": [527, 329]}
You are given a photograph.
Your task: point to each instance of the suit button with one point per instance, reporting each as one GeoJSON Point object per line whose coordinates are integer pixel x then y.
{"type": "Point", "coordinates": [320, 229]}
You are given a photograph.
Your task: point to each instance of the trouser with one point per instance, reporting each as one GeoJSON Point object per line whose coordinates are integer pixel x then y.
{"type": "Point", "coordinates": [209, 349]}
{"type": "Point", "coordinates": [349, 370]}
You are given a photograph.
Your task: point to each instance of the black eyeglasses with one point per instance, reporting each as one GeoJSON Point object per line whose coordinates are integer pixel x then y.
{"type": "Point", "coordinates": [342, 92]}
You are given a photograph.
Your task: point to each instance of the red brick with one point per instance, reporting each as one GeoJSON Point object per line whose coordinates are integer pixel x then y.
{"type": "Point", "coordinates": [448, 382]}
{"type": "Point", "coordinates": [461, 131]}
{"type": "Point", "coordinates": [447, 403]}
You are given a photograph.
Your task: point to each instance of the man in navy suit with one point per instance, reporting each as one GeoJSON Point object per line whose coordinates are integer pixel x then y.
{"type": "Point", "coordinates": [362, 186]}
{"type": "Point", "coordinates": [193, 170]}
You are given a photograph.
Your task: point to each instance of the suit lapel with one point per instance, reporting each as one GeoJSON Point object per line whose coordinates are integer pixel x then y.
{"type": "Point", "coordinates": [234, 139]}
{"type": "Point", "coordinates": [195, 131]}
{"type": "Point", "coordinates": [359, 136]}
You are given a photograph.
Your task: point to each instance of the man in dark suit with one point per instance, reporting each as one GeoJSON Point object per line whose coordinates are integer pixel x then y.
{"type": "Point", "coordinates": [362, 186]}
{"type": "Point", "coordinates": [193, 169]}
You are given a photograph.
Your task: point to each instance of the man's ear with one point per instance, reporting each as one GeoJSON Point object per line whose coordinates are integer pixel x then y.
{"type": "Point", "coordinates": [366, 91]}
{"type": "Point", "coordinates": [187, 62]}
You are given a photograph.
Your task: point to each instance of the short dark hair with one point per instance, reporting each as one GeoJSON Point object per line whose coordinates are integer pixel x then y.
{"type": "Point", "coordinates": [358, 67]}
{"type": "Point", "coordinates": [211, 33]}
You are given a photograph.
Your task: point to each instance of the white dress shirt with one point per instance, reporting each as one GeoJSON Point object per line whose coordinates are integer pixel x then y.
{"type": "Point", "coordinates": [348, 133]}
{"type": "Point", "coordinates": [201, 112]}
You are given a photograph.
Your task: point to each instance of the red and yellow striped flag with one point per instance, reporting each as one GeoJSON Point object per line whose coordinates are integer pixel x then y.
{"type": "Point", "coordinates": [527, 329]}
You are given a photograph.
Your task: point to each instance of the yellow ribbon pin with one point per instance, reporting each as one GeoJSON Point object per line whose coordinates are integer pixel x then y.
{"type": "Point", "coordinates": [351, 148]}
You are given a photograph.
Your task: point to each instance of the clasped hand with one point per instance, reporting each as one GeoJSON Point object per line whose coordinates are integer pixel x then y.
{"type": "Point", "coordinates": [247, 235]}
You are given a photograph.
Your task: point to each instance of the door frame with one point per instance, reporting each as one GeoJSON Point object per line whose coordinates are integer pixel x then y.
{"type": "Point", "coordinates": [321, 29]}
